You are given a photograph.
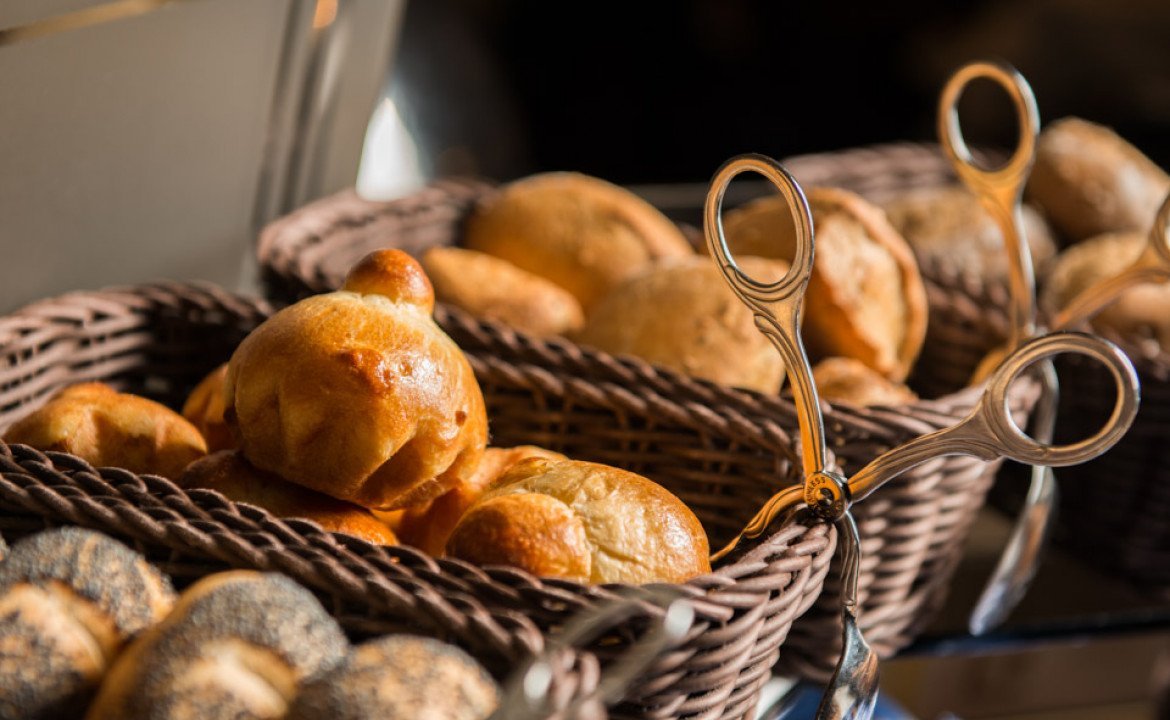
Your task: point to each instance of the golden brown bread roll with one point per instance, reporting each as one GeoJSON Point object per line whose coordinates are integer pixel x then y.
{"type": "Point", "coordinates": [108, 428]}
{"type": "Point", "coordinates": [69, 600]}
{"type": "Point", "coordinates": [1140, 314]}
{"type": "Point", "coordinates": [493, 288]}
{"type": "Point", "coordinates": [230, 473]}
{"type": "Point", "coordinates": [358, 394]}
{"type": "Point", "coordinates": [582, 521]}
{"type": "Point", "coordinates": [865, 296]}
{"type": "Point", "coordinates": [237, 645]}
{"type": "Point", "coordinates": [400, 677]}
{"type": "Point", "coordinates": [427, 526]}
{"type": "Point", "coordinates": [851, 381]}
{"type": "Point", "coordinates": [582, 233]}
{"type": "Point", "coordinates": [1089, 180]}
{"type": "Point", "coordinates": [683, 315]}
{"type": "Point", "coordinates": [948, 224]}
{"type": "Point", "coordinates": [204, 409]}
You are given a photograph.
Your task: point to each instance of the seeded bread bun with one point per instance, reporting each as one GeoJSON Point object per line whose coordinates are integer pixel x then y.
{"type": "Point", "coordinates": [229, 473]}
{"type": "Point", "coordinates": [69, 600]}
{"type": "Point", "coordinates": [582, 233]}
{"type": "Point", "coordinates": [489, 287]}
{"type": "Point", "coordinates": [108, 428]}
{"type": "Point", "coordinates": [400, 677]}
{"type": "Point", "coordinates": [682, 315]}
{"type": "Point", "coordinates": [358, 394]}
{"type": "Point", "coordinates": [204, 409]}
{"type": "Point", "coordinates": [582, 521]}
{"type": "Point", "coordinates": [237, 645]}
{"type": "Point", "coordinates": [1090, 181]}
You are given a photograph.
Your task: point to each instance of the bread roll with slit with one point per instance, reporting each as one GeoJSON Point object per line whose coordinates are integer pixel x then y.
{"type": "Point", "coordinates": [108, 428]}
{"type": "Point", "coordinates": [358, 394]}
{"type": "Point", "coordinates": [582, 521]}
{"type": "Point", "coordinates": [69, 601]}
{"type": "Point", "coordinates": [228, 472]}
{"type": "Point", "coordinates": [400, 677]}
{"type": "Point", "coordinates": [205, 407]}
{"type": "Point", "coordinates": [238, 644]}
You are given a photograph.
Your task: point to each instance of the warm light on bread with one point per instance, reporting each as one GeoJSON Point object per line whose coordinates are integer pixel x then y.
{"type": "Point", "coordinates": [204, 409]}
{"type": "Point", "coordinates": [851, 381]}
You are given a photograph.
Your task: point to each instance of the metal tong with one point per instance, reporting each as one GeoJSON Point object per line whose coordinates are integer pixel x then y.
{"type": "Point", "coordinates": [987, 433]}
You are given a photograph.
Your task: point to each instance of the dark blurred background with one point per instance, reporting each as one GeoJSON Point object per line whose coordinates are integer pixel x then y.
{"type": "Point", "coordinates": [640, 92]}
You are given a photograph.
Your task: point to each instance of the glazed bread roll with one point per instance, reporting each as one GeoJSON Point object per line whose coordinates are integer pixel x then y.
{"type": "Point", "coordinates": [427, 526]}
{"type": "Point", "coordinates": [865, 297]}
{"type": "Point", "coordinates": [204, 409]}
{"type": "Point", "coordinates": [948, 224]}
{"type": "Point", "coordinates": [358, 394]}
{"type": "Point", "coordinates": [228, 472]}
{"type": "Point", "coordinates": [108, 428]}
{"type": "Point", "coordinates": [580, 232]}
{"type": "Point", "coordinates": [1140, 314]}
{"type": "Point", "coordinates": [682, 315]}
{"type": "Point", "coordinates": [400, 677]}
{"type": "Point", "coordinates": [1091, 181]}
{"type": "Point", "coordinates": [69, 599]}
{"type": "Point", "coordinates": [237, 645]}
{"type": "Point", "coordinates": [493, 288]}
{"type": "Point", "coordinates": [582, 521]}
{"type": "Point", "coordinates": [852, 381]}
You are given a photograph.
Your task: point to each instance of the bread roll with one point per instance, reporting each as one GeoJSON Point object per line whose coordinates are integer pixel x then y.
{"type": "Point", "coordinates": [865, 297]}
{"type": "Point", "coordinates": [108, 428]}
{"type": "Point", "coordinates": [580, 232]}
{"type": "Point", "coordinates": [683, 315]}
{"type": "Point", "coordinates": [493, 288]}
{"type": "Point", "coordinates": [400, 677]}
{"type": "Point", "coordinates": [204, 409]}
{"type": "Point", "coordinates": [237, 645]}
{"type": "Point", "coordinates": [582, 521]}
{"type": "Point", "coordinates": [427, 526]}
{"type": "Point", "coordinates": [69, 600]}
{"type": "Point", "coordinates": [851, 381]}
{"type": "Point", "coordinates": [949, 225]}
{"type": "Point", "coordinates": [1140, 314]}
{"type": "Point", "coordinates": [358, 394]}
{"type": "Point", "coordinates": [1089, 180]}
{"type": "Point", "coordinates": [229, 473]}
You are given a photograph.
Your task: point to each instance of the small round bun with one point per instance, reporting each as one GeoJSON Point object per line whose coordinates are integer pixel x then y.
{"type": "Point", "coordinates": [400, 677]}
{"type": "Point", "coordinates": [865, 297]}
{"type": "Point", "coordinates": [358, 394]}
{"type": "Point", "coordinates": [204, 409]}
{"type": "Point", "coordinates": [108, 428]}
{"type": "Point", "coordinates": [682, 315]}
{"type": "Point", "coordinates": [237, 645]}
{"type": "Point", "coordinates": [427, 526]}
{"type": "Point", "coordinates": [582, 521]}
{"type": "Point", "coordinates": [582, 233]}
{"type": "Point", "coordinates": [1090, 181]}
{"type": "Point", "coordinates": [493, 288]}
{"type": "Point", "coordinates": [846, 380]}
{"type": "Point", "coordinates": [70, 599]}
{"type": "Point", "coordinates": [228, 472]}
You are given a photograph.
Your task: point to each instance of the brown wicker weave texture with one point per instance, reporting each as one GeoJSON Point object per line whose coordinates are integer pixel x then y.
{"type": "Point", "coordinates": [912, 530]}
{"type": "Point", "coordinates": [160, 340]}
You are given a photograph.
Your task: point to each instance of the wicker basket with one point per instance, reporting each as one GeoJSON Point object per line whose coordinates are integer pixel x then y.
{"type": "Point", "coordinates": [912, 530]}
{"type": "Point", "coordinates": [160, 340]}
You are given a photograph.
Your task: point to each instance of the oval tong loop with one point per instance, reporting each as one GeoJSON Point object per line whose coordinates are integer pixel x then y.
{"type": "Point", "coordinates": [1153, 265]}
{"type": "Point", "coordinates": [777, 310]}
{"type": "Point", "coordinates": [526, 696]}
{"type": "Point", "coordinates": [1000, 189]}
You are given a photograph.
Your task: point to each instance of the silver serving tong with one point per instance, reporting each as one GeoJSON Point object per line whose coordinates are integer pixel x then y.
{"type": "Point", "coordinates": [988, 432]}
{"type": "Point", "coordinates": [1000, 191]}
{"type": "Point", "coordinates": [527, 695]}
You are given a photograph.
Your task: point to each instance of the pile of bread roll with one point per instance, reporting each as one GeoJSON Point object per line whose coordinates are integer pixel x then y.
{"type": "Point", "coordinates": [92, 630]}
{"type": "Point", "coordinates": [353, 409]}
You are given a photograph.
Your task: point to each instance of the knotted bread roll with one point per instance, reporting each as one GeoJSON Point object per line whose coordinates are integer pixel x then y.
{"type": "Point", "coordinates": [358, 394]}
